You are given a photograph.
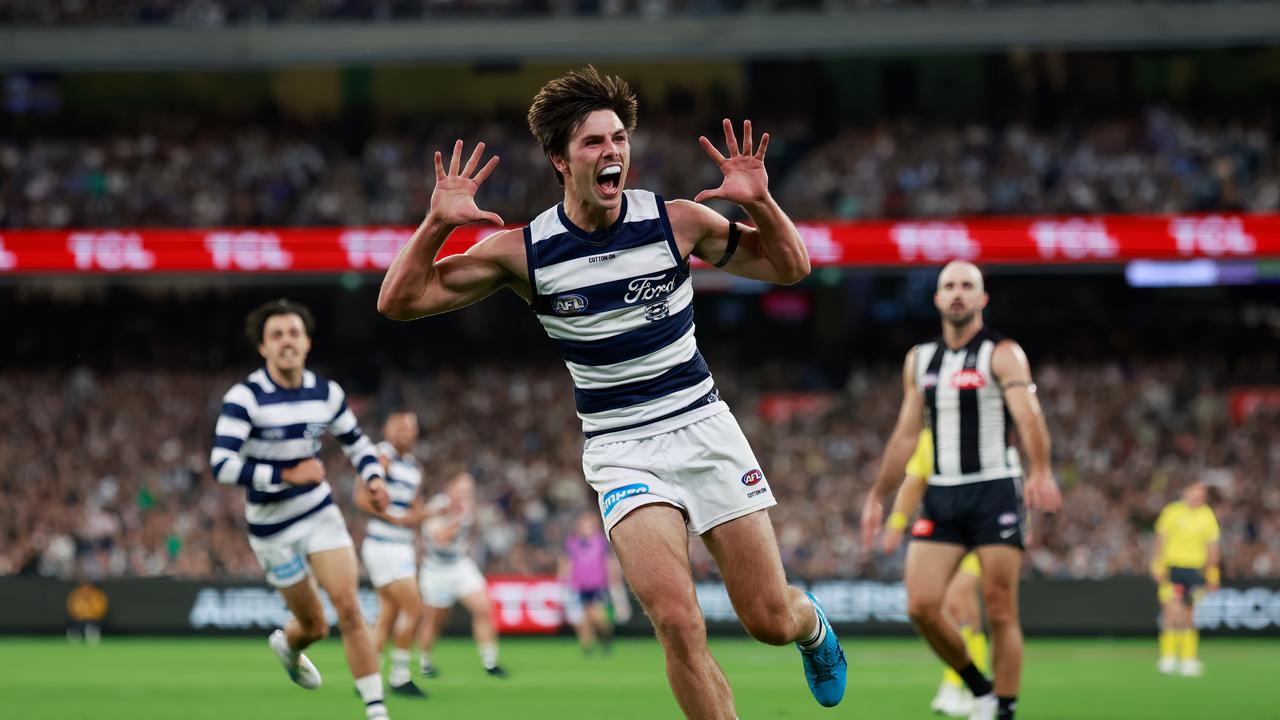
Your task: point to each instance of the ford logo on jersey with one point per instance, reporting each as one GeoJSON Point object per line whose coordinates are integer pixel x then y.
{"type": "Point", "coordinates": [648, 288]}
{"type": "Point", "coordinates": [613, 497]}
{"type": "Point", "coordinates": [569, 304]}
{"type": "Point", "coordinates": [752, 477]}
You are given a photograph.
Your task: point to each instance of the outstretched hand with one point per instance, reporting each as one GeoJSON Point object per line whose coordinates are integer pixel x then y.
{"type": "Point", "coordinates": [453, 201]}
{"type": "Point", "coordinates": [745, 180]}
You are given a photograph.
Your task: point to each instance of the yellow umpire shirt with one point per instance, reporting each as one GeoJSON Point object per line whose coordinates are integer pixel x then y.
{"type": "Point", "coordinates": [1187, 533]}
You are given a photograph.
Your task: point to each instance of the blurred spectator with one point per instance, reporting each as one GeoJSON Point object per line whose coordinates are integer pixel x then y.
{"type": "Point", "coordinates": [191, 172]}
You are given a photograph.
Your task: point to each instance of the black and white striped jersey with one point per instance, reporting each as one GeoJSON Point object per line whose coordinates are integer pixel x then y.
{"type": "Point", "coordinates": [964, 407]}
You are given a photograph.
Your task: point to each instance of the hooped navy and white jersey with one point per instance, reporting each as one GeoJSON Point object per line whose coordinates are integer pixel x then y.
{"type": "Point", "coordinates": [447, 513]}
{"type": "Point", "coordinates": [618, 302]}
{"type": "Point", "coordinates": [264, 428]}
{"type": "Point", "coordinates": [965, 408]}
{"type": "Point", "coordinates": [404, 476]}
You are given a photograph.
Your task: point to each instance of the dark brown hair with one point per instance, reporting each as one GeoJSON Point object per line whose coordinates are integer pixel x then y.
{"type": "Point", "coordinates": [256, 321]}
{"type": "Point", "coordinates": [561, 106]}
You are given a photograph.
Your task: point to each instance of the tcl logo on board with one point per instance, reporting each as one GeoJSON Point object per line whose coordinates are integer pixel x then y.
{"type": "Point", "coordinates": [1074, 239]}
{"type": "Point", "coordinates": [109, 251]}
{"type": "Point", "coordinates": [373, 248]}
{"type": "Point", "coordinates": [934, 241]}
{"type": "Point", "coordinates": [247, 250]}
{"type": "Point", "coordinates": [8, 260]}
{"type": "Point", "coordinates": [1213, 236]}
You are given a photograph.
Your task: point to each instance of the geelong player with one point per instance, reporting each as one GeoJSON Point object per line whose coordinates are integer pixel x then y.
{"type": "Point", "coordinates": [961, 604]}
{"type": "Point", "coordinates": [607, 273]}
{"type": "Point", "coordinates": [450, 576]}
{"type": "Point", "coordinates": [389, 551]}
{"type": "Point", "coordinates": [587, 569]}
{"type": "Point", "coordinates": [1185, 560]}
{"type": "Point", "coordinates": [966, 384]}
{"type": "Point", "coordinates": [267, 439]}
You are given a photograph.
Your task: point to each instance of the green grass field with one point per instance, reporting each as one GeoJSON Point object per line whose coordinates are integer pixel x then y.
{"type": "Point", "coordinates": [216, 679]}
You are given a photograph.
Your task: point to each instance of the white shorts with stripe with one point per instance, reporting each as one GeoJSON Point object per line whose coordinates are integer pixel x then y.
{"type": "Point", "coordinates": [284, 555]}
{"type": "Point", "coordinates": [705, 469]}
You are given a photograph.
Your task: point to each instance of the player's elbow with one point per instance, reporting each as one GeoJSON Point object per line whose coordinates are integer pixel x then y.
{"type": "Point", "coordinates": [396, 308]}
{"type": "Point", "coordinates": [797, 272]}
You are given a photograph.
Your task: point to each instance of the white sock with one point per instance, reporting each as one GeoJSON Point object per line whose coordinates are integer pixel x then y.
{"type": "Point", "coordinates": [489, 655]}
{"type": "Point", "coordinates": [399, 674]}
{"type": "Point", "coordinates": [815, 640]}
{"type": "Point", "coordinates": [370, 689]}
{"type": "Point", "coordinates": [424, 659]}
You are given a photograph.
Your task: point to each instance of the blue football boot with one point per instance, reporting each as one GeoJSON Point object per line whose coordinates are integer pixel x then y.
{"type": "Point", "coordinates": [825, 667]}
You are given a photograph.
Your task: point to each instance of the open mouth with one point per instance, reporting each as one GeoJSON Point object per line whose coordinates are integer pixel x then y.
{"type": "Point", "coordinates": [609, 180]}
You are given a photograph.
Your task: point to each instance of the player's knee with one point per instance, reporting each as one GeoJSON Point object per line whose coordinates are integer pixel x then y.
{"type": "Point", "coordinates": [770, 623]}
{"type": "Point", "coordinates": [679, 626]}
{"type": "Point", "coordinates": [348, 610]}
{"type": "Point", "coordinates": [924, 611]}
{"type": "Point", "coordinates": [1001, 608]}
{"type": "Point", "coordinates": [314, 628]}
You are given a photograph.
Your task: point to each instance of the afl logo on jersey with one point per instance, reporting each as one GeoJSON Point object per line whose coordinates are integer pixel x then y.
{"type": "Point", "coordinates": [569, 304]}
{"type": "Point", "coordinates": [752, 477]}
{"type": "Point", "coordinates": [968, 380]}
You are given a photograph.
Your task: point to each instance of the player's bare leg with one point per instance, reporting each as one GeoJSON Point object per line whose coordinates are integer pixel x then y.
{"type": "Point", "coordinates": [484, 630]}
{"type": "Point", "coordinates": [961, 608]}
{"type": "Point", "coordinates": [652, 545]}
{"type": "Point", "coordinates": [773, 612]}
{"type": "Point", "coordinates": [597, 621]}
{"type": "Point", "coordinates": [747, 553]}
{"type": "Point", "coordinates": [388, 612]}
{"type": "Point", "coordinates": [1001, 565]}
{"type": "Point", "coordinates": [336, 571]}
{"type": "Point", "coordinates": [307, 626]}
{"type": "Point", "coordinates": [585, 629]}
{"type": "Point", "coordinates": [429, 629]}
{"type": "Point", "coordinates": [930, 567]}
{"type": "Point", "coordinates": [402, 596]}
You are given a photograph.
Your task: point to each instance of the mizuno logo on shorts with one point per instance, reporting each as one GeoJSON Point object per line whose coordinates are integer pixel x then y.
{"type": "Point", "coordinates": [613, 497]}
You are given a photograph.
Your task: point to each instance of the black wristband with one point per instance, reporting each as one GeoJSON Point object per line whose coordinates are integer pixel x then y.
{"type": "Point", "coordinates": [732, 247]}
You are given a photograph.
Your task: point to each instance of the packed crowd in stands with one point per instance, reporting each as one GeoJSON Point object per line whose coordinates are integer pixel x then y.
{"type": "Point", "coordinates": [189, 172]}
{"type": "Point", "coordinates": [224, 13]}
{"type": "Point", "coordinates": [107, 475]}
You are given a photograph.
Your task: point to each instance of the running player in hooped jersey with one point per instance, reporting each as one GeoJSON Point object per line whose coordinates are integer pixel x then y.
{"type": "Point", "coordinates": [389, 551]}
{"type": "Point", "coordinates": [587, 569]}
{"type": "Point", "coordinates": [967, 384]}
{"type": "Point", "coordinates": [267, 439]}
{"type": "Point", "coordinates": [450, 576]}
{"type": "Point", "coordinates": [607, 273]}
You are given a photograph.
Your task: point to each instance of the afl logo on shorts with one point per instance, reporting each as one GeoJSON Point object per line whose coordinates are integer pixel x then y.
{"type": "Point", "coordinates": [752, 477]}
{"type": "Point", "coordinates": [968, 380]}
{"type": "Point", "coordinates": [922, 528]}
{"type": "Point", "coordinates": [569, 304]}
{"type": "Point", "coordinates": [1008, 518]}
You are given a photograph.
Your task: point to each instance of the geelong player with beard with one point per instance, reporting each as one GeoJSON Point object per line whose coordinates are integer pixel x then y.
{"type": "Point", "coordinates": [966, 384]}
{"type": "Point", "coordinates": [607, 273]}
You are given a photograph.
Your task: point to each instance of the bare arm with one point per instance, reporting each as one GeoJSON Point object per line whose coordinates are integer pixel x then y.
{"type": "Point", "coordinates": [904, 506]}
{"type": "Point", "coordinates": [1013, 371]}
{"type": "Point", "coordinates": [1213, 568]}
{"type": "Point", "coordinates": [1158, 567]}
{"type": "Point", "coordinates": [418, 284]}
{"type": "Point", "coordinates": [773, 250]}
{"type": "Point", "coordinates": [902, 443]}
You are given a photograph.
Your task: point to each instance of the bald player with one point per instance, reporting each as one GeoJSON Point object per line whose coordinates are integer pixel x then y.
{"type": "Point", "coordinates": [965, 385]}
